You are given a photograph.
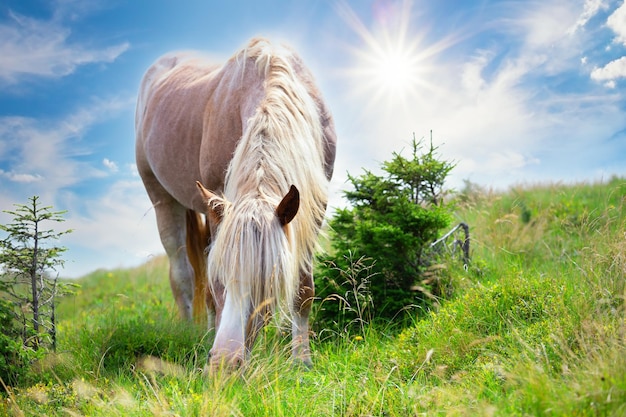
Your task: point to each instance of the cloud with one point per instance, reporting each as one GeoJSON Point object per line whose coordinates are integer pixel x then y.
{"type": "Point", "coordinates": [110, 165]}
{"type": "Point", "coordinates": [616, 68]}
{"type": "Point", "coordinates": [611, 71]}
{"type": "Point", "coordinates": [553, 33]}
{"type": "Point", "coordinates": [77, 9]}
{"type": "Point", "coordinates": [617, 23]}
{"type": "Point", "coordinates": [52, 151]}
{"type": "Point", "coordinates": [23, 178]}
{"type": "Point", "coordinates": [32, 47]}
{"type": "Point", "coordinates": [117, 228]}
{"type": "Point", "coordinates": [590, 9]}
{"type": "Point", "coordinates": [544, 23]}
{"type": "Point", "coordinates": [510, 160]}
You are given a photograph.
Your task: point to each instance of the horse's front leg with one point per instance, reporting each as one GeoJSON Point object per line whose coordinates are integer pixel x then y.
{"type": "Point", "coordinates": [301, 350]}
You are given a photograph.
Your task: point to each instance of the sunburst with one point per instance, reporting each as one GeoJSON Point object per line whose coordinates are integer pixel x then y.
{"type": "Point", "coordinates": [392, 65]}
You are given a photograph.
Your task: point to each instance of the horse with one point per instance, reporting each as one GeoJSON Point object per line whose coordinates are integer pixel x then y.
{"type": "Point", "coordinates": [236, 159]}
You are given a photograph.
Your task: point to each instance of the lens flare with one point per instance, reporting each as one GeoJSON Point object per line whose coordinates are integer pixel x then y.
{"type": "Point", "coordinates": [393, 65]}
{"type": "Point", "coordinates": [394, 69]}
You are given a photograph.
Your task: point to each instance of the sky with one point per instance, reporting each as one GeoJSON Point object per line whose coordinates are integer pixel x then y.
{"type": "Point", "coordinates": [514, 92]}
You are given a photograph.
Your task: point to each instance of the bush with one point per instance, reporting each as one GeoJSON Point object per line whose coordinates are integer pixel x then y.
{"type": "Point", "coordinates": [392, 221]}
{"type": "Point", "coordinates": [15, 358]}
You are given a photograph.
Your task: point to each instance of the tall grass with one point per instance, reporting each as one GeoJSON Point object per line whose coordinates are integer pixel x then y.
{"type": "Point", "coordinates": [535, 326]}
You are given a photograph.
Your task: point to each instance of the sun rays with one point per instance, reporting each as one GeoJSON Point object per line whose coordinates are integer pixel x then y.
{"type": "Point", "coordinates": [393, 65]}
{"type": "Point", "coordinates": [391, 68]}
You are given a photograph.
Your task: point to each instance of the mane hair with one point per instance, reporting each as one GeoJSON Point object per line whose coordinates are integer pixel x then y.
{"type": "Point", "coordinates": [253, 255]}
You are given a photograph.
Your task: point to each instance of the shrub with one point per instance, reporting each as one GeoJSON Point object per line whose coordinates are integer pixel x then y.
{"type": "Point", "coordinates": [15, 358]}
{"type": "Point", "coordinates": [392, 220]}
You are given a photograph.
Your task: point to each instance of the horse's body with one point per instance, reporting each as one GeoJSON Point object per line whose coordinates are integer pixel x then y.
{"type": "Point", "coordinates": [248, 130]}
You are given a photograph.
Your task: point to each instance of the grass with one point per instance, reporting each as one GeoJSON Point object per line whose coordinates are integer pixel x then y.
{"type": "Point", "coordinates": [535, 326]}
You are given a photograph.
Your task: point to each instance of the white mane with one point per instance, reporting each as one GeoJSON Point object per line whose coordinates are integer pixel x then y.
{"type": "Point", "coordinates": [253, 256]}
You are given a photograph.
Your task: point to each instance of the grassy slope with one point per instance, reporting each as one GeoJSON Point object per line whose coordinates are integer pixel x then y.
{"type": "Point", "coordinates": [535, 327]}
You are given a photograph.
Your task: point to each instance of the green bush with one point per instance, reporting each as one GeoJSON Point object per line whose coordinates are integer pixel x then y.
{"type": "Point", "coordinates": [392, 220]}
{"type": "Point", "coordinates": [15, 358]}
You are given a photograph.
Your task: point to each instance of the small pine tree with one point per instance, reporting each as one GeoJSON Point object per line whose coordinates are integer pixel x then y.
{"type": "Point", "coordinates": [28, 279]}
{"type": "Point", "coordinates": [392, 221]}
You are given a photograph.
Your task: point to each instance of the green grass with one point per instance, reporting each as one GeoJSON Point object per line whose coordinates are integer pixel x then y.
{"type": "Point", "coordinates": [535, 326]}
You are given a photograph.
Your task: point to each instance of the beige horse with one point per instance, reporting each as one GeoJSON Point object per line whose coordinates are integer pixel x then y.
{"type": "Point", "coordinates": [255, 132]}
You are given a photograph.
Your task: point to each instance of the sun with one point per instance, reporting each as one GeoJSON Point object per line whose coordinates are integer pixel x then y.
{"type": "Point", "coordinates": [392, 64]}
{"type": "Point", "coordinates": [393, 69]}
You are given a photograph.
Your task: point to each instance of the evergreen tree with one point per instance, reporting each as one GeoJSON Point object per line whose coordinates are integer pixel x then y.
{"type": "Point", "coordinates": [392, 220]}
{"type": "Point", "coordinates": [29, 257]}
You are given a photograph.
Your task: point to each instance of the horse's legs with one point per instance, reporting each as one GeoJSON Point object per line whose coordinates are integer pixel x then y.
{"type": "Point", "coordinates": [170, 216]}
{"type": "Point", "coordinates": [301, 350]}
{"type": "Point", "coordinates": [171, 223]}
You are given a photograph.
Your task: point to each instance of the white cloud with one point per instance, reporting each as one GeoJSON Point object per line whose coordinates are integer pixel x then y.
{"type": "Point", "coordinates": [132, 168]}
{"type": "Point", "coordinates": [472, 77]}
{"type": "Point", "coordinates": [50, 150]}
{"type": "Point", "coordinates": [617, 23]}
{"type": "Point", "coordinates": [611, 71]}
{"type": "Point", "coordinates": [590, 9]}
{"type": "Point", "coordinates": [616, 68]}
{"type": "Point", "coordinates": [116, 229]}
{"type": "Point", "coordinates": [610, 84]}
{"type": "Point", "coordinates": [47, 157]}
{"type": "Point", "coordinates": [545, 23]}
{"type": "Point", "coordinates": [76, 9]}
{"type": "Point", "coordinates": [509, 160]}
{"type": "Point", "coordinates": [110, 165]}
{"type": "Point", "coordinates": [42, 48]}
{"type": "Point", "coordinates": [18, 177]}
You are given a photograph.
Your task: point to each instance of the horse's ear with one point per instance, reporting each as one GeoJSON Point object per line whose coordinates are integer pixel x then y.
{"type": "Point", "coordinates": [214, 210]}
{"type": "Point", "coordinates": [206, 194]}
{"type": "Point", "coordinates": [288, 207]}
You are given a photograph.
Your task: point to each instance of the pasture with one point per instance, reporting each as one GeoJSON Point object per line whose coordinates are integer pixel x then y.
{"type": "Point", "coordinates": [535, 326]}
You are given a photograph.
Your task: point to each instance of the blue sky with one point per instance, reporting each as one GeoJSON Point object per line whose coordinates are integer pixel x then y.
{"type": "Point", "coordinates": [515, 92]}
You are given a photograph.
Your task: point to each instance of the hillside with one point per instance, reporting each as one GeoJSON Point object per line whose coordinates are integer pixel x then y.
{"type": "Point", "coordinates": [535, 326]}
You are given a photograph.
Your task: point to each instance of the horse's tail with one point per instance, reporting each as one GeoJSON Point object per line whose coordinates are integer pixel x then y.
{"type": "Point", "coordinates": [197, 241]}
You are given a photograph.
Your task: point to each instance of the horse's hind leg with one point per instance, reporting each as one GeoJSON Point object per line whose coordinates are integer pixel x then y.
{"type": "Point", "coordinates": [171, 223]}
{"type": "Point", "coordinates": [171, 219]}
{"type": "Point", "coordinates": [301, 350]}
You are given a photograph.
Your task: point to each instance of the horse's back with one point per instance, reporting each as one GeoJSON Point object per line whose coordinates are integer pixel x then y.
{"type": "Point", "coordinates": [191, 115]}
{"type": "Point", "coordinates": [169, 118]}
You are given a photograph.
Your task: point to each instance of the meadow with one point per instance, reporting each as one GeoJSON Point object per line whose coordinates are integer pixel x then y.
{"type": "Point", "coordinates": [535, 326]}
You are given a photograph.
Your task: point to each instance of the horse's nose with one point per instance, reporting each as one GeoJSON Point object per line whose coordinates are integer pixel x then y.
{"type": "Point", "coordinates": [236, 362]}
{"type": "Point", "coordinates": [227, 362]}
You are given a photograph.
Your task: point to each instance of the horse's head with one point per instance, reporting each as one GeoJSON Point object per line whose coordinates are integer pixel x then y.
{"type": "Point", "coordinates": [251, 258]}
